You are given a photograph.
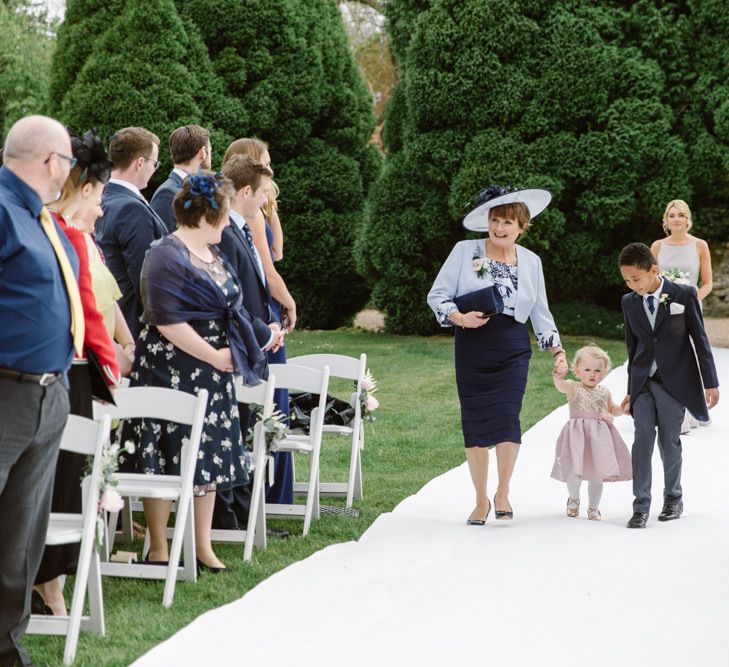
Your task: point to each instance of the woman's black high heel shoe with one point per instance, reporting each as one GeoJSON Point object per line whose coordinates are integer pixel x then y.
{"type": "Point", "coordinates": [503, 516]}
{"type": "Point", "coordinates": [201, 567]}
{"type": "Point", "coordinates": [480, 522]}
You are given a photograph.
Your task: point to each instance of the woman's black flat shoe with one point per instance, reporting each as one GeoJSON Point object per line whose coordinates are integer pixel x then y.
{"type": "Point", "coordinates": [38, 605]}
{"type": "Point", "coordinates": [479, 522]}
{"type": "Point", "coordinates": [503, 516]}
{"type": "Point", "coordinates": [201, 567]}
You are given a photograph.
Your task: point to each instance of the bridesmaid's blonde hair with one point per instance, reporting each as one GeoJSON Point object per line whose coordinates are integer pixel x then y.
{"type": "Point", "coordinates": [682, 207]}
{"type": "Point", "coordinates": [592, 351]}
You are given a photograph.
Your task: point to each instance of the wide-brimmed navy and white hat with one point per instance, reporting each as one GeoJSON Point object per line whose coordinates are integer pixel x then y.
{"type": "Point", "coordinates": [535, 199]}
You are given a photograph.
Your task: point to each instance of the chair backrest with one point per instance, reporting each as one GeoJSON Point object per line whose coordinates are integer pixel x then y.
{"type": "Point", "coordinates": [151, 403]}
{"type": "Point", "coordinates": [262, 393]}
{"type": "Point", "coordinates": [163, 404]}
{"type": "Point", "coordinates": [290, 376]}
{"type": "Point", "coordinates": [340, 366]}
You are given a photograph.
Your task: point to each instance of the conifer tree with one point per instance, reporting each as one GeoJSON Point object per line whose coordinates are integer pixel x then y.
{"type": "Point", "coordinates": [289, 64]}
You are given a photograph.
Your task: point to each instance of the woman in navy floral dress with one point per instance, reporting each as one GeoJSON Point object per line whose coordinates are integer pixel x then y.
{"type": "Point", "coordinates": [196, 335]}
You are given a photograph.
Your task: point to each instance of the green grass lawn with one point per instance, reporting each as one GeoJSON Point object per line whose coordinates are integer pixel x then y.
{"type": "Point", "coordinates": [416, 437]}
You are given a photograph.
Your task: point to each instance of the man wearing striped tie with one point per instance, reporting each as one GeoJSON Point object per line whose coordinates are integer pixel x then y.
{"type": "Point", "coordinates": [42, 322]}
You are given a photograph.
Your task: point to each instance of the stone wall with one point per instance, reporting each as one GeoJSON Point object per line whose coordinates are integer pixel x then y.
{"type": "Point", "coordinates": [717, 303]}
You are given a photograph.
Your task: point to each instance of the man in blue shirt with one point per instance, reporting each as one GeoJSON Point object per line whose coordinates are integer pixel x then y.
{"type": "Point", "coordinates": [36, 349]}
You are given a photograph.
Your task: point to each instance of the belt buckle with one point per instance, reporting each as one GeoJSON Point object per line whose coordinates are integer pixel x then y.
{"type": "Point", "coordinates": [46, 379]}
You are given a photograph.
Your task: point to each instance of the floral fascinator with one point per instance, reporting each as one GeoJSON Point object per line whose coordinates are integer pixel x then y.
{"type": "Point", "coordinates": [535, 199]}
{"type": "Point", "coordinates": [205, 186]}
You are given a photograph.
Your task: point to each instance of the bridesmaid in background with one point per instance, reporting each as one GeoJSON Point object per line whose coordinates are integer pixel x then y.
{"type": "Point", "coordinates": [268, 239]}
{"type": "Point", "coordinates": [683, 251]}
{"type": "Point", "coordinates": [687, 253]}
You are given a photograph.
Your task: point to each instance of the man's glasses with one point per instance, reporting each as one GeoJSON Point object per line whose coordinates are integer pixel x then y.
{"type": "Point", "coordinates": [156, 163]}
{"type": "Point", "coordinates": [72, 161]}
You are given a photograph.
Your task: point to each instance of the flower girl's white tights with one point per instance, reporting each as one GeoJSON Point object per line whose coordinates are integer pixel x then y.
{"type": "Point", "coordinates": [594, 490]}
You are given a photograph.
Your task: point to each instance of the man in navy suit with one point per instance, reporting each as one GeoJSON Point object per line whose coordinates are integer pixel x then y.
{"type": "Point", "coordinates": [190, 150]}
{"type": "Point", "coordinates": [670, 369]}
{"type": "Point", "coordinates": [251, 181]}
{"type": "Point", "coordinates": [129, 225]}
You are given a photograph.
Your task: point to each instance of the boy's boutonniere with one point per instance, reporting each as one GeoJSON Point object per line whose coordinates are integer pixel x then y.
{"type": "Point", "coordinates": [479, 264]}
{"type": "Point", "coordinates": [664, 300]}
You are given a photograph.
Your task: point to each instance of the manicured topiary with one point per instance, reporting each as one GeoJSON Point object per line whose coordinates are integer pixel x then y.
{"type": "Point", "coordinates": [149, 68]}
{"type": "Point", "coordinates": [529, 93]}
{"type": "Point", "coordinates": [289, 63]}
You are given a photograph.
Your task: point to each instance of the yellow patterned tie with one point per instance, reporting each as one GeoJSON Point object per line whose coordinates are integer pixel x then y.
{"type": "Point", "coordinates": [78, 323]}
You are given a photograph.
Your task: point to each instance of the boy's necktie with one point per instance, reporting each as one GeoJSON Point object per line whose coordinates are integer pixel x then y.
{"type": "Point", "coordinates": [78, 323]}
{"type": "Point", "coordinates": [651, 304]}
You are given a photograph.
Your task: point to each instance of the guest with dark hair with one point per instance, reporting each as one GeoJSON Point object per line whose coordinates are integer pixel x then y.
{"type": "Point", "coordinates": [266, 236]}
{"type": "Point", "coordinates": [42, 323]}
{"type": "Point", "coordinates": [80, 196]}
{"type": "Point", "coordinates": [190, 150]}
{"type": "Point", "coordinates": [196, 335]}
{"type": "Point", "coordinates": [129, 225]}
{"type": "Point", "coordinates": [670, 370]}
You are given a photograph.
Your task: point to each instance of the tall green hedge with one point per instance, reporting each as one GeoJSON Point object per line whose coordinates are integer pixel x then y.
{"type": "Point", "coordinates": [26, 45]}
{"type": "Point", "coordinates": [289, 64]}
{"type": "Point", "coordinates": [552, 95]}
{"type": "Point", "coordinates": [148, 67]}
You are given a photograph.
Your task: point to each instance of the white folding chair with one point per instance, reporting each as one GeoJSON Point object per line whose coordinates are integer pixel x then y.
{"type": "Point", "coordinates": [347, 368]}
{"type": "Point", "coordinates": [314, 381]}
{"type": "Point", "coordinates": [255, 534]}
{"type": "Point", "coordinates": [160, 404]}
{"type": "Point", "coordinates": [82, 436]}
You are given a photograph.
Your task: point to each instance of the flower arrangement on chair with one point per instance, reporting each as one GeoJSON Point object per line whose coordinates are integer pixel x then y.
{"type": "Point", "coordinates": [368, 402]}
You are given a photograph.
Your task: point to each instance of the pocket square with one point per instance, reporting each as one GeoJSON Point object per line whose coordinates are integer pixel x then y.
{"type": "Point", "coordinates": [676, 308]}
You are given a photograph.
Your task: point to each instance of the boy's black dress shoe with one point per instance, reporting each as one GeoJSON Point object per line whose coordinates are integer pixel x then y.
{"type": "Point", "coordinates": [638, 520]}
{"type": "Point", "coordinates": [671, 511]}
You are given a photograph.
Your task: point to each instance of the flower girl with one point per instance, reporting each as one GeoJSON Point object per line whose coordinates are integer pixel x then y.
{"type": "Point", "coordinates": [589, 446]}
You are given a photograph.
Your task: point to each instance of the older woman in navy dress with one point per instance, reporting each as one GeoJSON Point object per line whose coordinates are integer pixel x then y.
{"type": "Point", "coordinates": [492, 354]}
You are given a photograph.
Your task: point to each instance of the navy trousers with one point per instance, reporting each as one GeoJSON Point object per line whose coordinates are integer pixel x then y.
{"type": "Point", "coordinates": [655, 409]}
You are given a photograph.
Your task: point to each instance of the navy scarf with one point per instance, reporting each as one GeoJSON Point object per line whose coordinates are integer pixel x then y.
{"type": "Point", "coordinates": [174, 291]}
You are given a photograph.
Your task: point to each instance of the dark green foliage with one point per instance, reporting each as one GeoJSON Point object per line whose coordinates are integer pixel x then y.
{"type": "Point", "coordinates": [84, 22]}
{"type": "Point", "coordinates": [577, 318]}
{"type": "Point", "coordinates": [289, 64]}
{"type": "Point", "coordinates": [26, 45]}
{"type": "Point", "coordinates": [534, 93]}
{"type": "Point", "coordinates": [149, 69]}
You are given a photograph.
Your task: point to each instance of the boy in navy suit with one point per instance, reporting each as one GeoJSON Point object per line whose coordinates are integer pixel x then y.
{"type": "Point", "coordinates": [670, 369]}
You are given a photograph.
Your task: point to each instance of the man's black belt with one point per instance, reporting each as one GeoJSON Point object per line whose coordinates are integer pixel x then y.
{"type": "Point", "coordinates": [43, 380]}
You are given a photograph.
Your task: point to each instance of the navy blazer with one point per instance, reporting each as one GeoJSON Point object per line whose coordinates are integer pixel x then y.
{"type": "Point", "coordinates": [679, 323]}
{"type": "Point", "coordinates": [125, 232]}
{"type": "Point", "coordinates": [256, 296]}
{"type": "Point", "coordinates": [161, 201]}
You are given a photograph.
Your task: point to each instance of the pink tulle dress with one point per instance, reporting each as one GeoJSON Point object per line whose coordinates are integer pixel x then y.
{"type": "Point", "coordinates": [589, 448]}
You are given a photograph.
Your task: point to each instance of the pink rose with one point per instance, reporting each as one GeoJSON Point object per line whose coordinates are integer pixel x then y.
{"type": "Point", "coordinates": [368, 384]}
{"type": "Point", "coordinates": [111, 501]}
{"type": "Point", "coordinates": [371, 403]}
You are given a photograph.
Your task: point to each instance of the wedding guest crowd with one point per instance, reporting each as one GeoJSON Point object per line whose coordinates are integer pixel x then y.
{"type": "Point", "coordinates": [182, 292]}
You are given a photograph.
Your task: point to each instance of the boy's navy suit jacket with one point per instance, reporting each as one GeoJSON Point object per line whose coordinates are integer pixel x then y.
{"type": "Point", "coordinates": [684, 373]}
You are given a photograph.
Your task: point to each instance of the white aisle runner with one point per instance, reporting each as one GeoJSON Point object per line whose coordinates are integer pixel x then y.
{"type": "Point", "coordinates": [421, 588]}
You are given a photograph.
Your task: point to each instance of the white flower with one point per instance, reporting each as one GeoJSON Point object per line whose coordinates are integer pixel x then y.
{"type": "Point", "coordinates": [478, 264]}
{"type": "Point", "coordinates": [111, 501]}
{"type": "Point", "coordinates": [129, 446]}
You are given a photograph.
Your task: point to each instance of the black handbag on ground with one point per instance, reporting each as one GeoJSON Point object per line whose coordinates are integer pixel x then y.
{"type": "Point", "coordinates": [487, 300]}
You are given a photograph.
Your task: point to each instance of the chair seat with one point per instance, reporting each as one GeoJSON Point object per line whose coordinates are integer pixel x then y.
{"type": "Point", "coordinates": [296, 444]}
{"type": "Point", "coordinates": [64, 529]}
{"type": "Point", "coordinates": [335, 428]}
{"type": "Point", "coordinates": [163, 487]}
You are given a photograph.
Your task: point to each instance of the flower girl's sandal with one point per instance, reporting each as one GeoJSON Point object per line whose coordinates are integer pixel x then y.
{"type": "Point", "coordinates": [573, 507]}
{"type": "Point", "coordinates": [593, 514]}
